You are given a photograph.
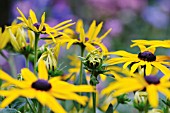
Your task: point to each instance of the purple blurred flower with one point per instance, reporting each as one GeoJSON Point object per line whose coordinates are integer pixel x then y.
{"type": "Point", "coordinates": [156, 17]}
{"type": "Point", "coordinates": [116, 26]}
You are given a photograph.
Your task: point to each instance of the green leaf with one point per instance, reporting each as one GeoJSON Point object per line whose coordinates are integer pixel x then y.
{"type": "Point", "coordinates": [9, 110]}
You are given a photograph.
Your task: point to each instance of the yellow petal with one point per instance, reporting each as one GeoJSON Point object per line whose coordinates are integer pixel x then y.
{"type": "Point", "coordinates": [28, 75]}
{"type": "Point", "coordinates": [97, 30]}
{"type": "Point", "coordinates": [25, 20]}
{"type": "Point", "coordinates": [42, 22]}
{"type": "Point", "coordinates": [124, 54]}
{"type": "Point", "coordinates": [71, 43]}
{"type": "Point", "coordinates": [161, 67]}
{"type": "Point", "coordinates": [104, 35]}
{"type": "Point", "coordinates": [164, 91]}
{"type": "Point", "coordinates": [91, 29]}
{"type": "Point", "coordinates": [42, 70]}
{"type": "Point", "coordinates": [82, 35]}
{"type": "Point", "coordinates": [79, 25]}
{"type": "Point", "coordinates": [148, 68]}
{"type": "Point", "coordinates": [62, 23]}
{"type": "Point", "coordinates": [8, 100]}
{"type": "Point", "coordinates": [71, 96]}
{"type": "Point", "coordinates": [54, 105]}
{"type": "Point", "coordinates": [33, 16]}
{"type": "Point", "coordinates": [152, 95]}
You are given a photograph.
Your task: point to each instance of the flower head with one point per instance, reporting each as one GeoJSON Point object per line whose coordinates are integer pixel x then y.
{"type": "Point", "coordinates": [41, 27]}
{"type": "Point", "coordinates": [88, 39]}
{"type": "Point", "coordinates": [44, 90]}
{"type": "Point", "coordinates": [146, 57]}
{"type": "Point", "coordinates": [152, 84]}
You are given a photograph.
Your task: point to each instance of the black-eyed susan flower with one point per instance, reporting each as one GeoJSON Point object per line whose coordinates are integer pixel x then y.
{"type": "Point", "coordinates": [44, 90]}
{"type": "Point", "coordinates": [41, 27]}
{"type": "Point", "coordinates": [151, 83]}
{"type": "Point", "coordinates": [152, 43]}
{"type": "Point", "coordinates": [88, 39]}
{"type": "Point", "coordinates": [146, 58]}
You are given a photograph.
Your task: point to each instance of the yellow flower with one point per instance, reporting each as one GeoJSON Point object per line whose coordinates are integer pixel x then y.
{"type": "Point", "coordinates": [41, 27]}
{"type": "Point", "coordinates": [152, 43]}
{"type": "Point", "coordinates": [44, 90]}
{"type": "Point", "coordinates": [4, 38]}
{"type": "Point", "coordinates": [151, 83]}
{"type": "Point", "coordinates": [88, 39]}
{"type": "Point", "coordinates": [145, 58]}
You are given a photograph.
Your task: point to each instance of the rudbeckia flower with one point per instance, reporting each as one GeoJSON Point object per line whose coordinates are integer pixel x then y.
{"type": "Point", "coordinates": [41, 27]}
{"type": "Point", "coordinates": [146, 58]}
{"type": "Point", "coordinates": [152, 43]}
{"type": "Point", "coordinates": [151, 83]}
{"type": "Point", "coordinates": [44, 90]}
{"type": "Point", "coordinates": [88, 39]}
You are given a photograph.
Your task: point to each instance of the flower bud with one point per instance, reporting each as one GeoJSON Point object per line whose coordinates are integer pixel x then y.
{"type": "Point", "coordinates": [140, 100]}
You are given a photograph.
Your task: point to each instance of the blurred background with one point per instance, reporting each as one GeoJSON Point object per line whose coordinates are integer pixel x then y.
{"type": "Point", "coordinates": [129, 19]}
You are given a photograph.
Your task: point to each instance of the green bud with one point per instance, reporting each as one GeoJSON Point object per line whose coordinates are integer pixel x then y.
{"type": "Point", "coordinates": [123, 99]}
{"type": "Point", "coordinates": [155, 111]}
{"type": "Point", "coordinates": [140, 100]}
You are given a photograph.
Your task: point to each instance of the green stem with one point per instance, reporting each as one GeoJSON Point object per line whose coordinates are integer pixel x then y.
{"type": "Point", "coordinates": [146, 107]}
{"type": "Point", "coordinates": [94, 100]}
{"type": "Point", "coordinates": [116, 106]}
{"type": "Point", "coordinates": [12, 65]}
{"type": "Point", "coordinates": [27, 61]}
{"type": "Point", "coordinates": [81, 65]}
{"type": "Point", "coordinates": [29, 103]}
{"type": "Point", "coordinates": [40, 108]}
{"type": "Point", "coordinates": [35, 50]}
{"type": "Point", "coordinates": [81, 71]}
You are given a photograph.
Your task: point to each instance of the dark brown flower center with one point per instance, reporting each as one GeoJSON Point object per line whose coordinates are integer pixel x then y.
{"type": "Point", "coordinates": [152, 79]}
{"type": "Point", "coordinates": [86, 39]}
{"type": "Point", "coordinates": [37, 25]}
{"type": "Point", "coordinates": [147, 56]}
{"type": "Point", "coordinates": [42, 85]}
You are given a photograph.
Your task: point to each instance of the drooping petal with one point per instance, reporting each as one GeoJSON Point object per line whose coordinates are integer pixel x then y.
{"type": "Point", "coordinates": [42, 70]}
{"type": "Point", "coordinates": [62, 23]}
{"type": "Point", "coordinates": [70, 43]}
{"type": "Point", "coordinates": [9, 99]}
{"type": "Point", "coordinates": [71, 96]}
{"type": "Point", "coordinates": [161, 67]}
{"type": "Point", "coordinates": [164, 91]}
{"type": "Point", "coordinates": [54, 105]}
{"type": "Point", "coordinates": [148, 68]}
{"type": "Point", "coordinates": [152, 95]}
{"type": "Point", "coordinates": [104, 35]}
